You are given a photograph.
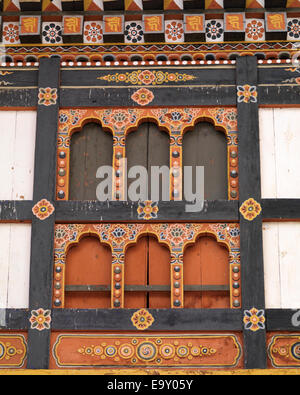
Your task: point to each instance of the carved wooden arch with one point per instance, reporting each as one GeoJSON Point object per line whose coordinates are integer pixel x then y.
{"type": "Point", "coordinates": [176, 236]}
{"type": "Point", "coordinates": [121, 121]}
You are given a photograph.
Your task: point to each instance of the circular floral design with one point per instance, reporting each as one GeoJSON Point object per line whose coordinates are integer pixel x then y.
{"type": "Point", "coordinates": [43, 209]}
{"type": "Point", "coordinates": [146, 77]}
{"type": "Point", "coordinates": [40, 319]}
{"type": "Point", "coordinates": [294, 29]}
{"type": "Point", "coordinates": [255, 30]}
{"type": "Point", "coordinates": [52, 33]}
{"type": "Point", "coordinates": [167, 351]}
{"type": "Point", "coordinates": [250, 209]}
{"type": "Point", "coordinates": [142, 97]}
{"type": "Point", "coordinates": [174, 31]}
{"type": "Point", "coordinates": [47, 96]}
{"type": "Point", "coordinates": [110, 351]}
{"type": "Point", "coordinates": [214, 30]}
{"type": "Point", "coordinates": [147, 351]}
{"type": "Point", "coordinates": [93, 32]}
{"type": "Point", "coordinates": [147, 210]}
{"type": "Point", "coordinates": [142, 319]}
{"type": "Point", "coordinates": [254, 319]}
{"type": "Point", "coordinates": [134, 32]}
{"type": "Point", "coordinates": [247, 94]}
{"type": "Point", "coordinates": [126, 351]}
{"type": "Point", "coordinates": [11, 33]}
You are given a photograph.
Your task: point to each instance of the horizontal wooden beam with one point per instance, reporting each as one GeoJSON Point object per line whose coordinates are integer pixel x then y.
{"type": "Point", "coordinates": [75, 211]}
{"type": "Point", "coordinates": [281, 209]}
{"type": "Point", "coordinates": [164, 319]}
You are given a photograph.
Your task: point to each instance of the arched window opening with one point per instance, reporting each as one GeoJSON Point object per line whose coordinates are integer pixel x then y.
{"type": "Point", "coordinates": [148, 147]}
{"type": "Point", "coordinates": [147, 275]}
{"type": "Point", "coordinates": [88, 275]}
{"type": "Point", "coordinates": [91, 148]}
{"type": "Point", "coordinates": [207, 147]}
{"type": "Point", "coordinates": [206, 275]}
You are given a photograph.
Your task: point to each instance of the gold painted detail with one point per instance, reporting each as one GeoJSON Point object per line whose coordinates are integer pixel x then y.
{"type": "Point", "coordinates": [87, 350]}
{"type": "Point", "coordinates": [13, 350]}
{"type": "Point", "coordinates": [147, 77]}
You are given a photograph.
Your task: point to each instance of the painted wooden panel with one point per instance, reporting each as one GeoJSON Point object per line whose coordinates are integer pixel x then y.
{"type": "Point", "coordinates": [14, 265]}
{"type": "Point", "coordinates": [147, 263]}
{"type": "Point", "coordinates": [279, 147]}
{"type": "Point", "coordinates": [281, 264]}
{"type": "Point", "coordinates": [206, 263]}
{"type": "Point", "coordinates": [96, 270]}
{"type": "Point", "coordinates": [17, 147]}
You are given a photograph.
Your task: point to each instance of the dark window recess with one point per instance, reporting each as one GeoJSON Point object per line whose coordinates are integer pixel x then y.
{"type": "Point", "coordinates": [90, 148]}
{"type": "Point", "coordinates": [147, 147]}
{"type": "Point", "coordinates": [205, 146]}
{"type": "Point", "coordinates": [147, 275]}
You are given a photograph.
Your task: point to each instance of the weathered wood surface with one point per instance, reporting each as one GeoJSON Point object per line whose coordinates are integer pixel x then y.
{"type": "Point", "coordinates": [279, 148]}
{"type": "Point", "coordinates": [14, 265]}
{"type": "Point", "coordinates": [281, 262]}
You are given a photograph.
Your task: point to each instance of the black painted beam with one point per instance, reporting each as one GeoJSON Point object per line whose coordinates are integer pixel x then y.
{"type": "Point", "coordinates": [252, 272]}
{"type": "Point", "coordinates": [16, 210]}
{"type": "Point", "coordinates": [164, 319]}
{"type": "Point", "coordinates": [75, 211]}
{"type": "Point", "coordinates": [41, 265]}
{"type": "Point", "coordinates": [281, 209]}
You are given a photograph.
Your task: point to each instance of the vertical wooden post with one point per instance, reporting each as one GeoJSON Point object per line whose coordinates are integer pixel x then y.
{"type": "Point", "coordinates": [253, 299]}
{"type": "Point", "coordinates": [43, 222]}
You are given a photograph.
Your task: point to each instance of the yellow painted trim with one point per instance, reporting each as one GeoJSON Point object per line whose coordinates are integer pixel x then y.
{"type": "Point", "coordinates": [145, 372]}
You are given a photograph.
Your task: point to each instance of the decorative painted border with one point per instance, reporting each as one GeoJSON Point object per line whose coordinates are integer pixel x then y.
{"type": "Point", "coordinates": [176, 236]}
{"type": "Point", "coordinates": [90, 350]}
{"type": "Point", "coordinates": [284, 350]}
{"type": "Point", "coordinates": [121, 121]}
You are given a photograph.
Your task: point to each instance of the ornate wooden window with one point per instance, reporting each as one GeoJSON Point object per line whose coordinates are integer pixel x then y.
{"type": "Point", "coordinates": [175, 121]}
{"type": "Point", "coordinates": [152, 265]}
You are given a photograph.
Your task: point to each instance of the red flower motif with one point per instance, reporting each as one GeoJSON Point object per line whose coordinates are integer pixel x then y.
{"type": "Point", "coordinates": [146, 77]}
{"type": "Point", "coordinates": [255, 30]}
{"type": "Point", "coordinates": [174, 31]}
{"type": "Point", "coordinates": [11, 33]}
{"type": "Point", "coordinates": [93, 32]}
{"type": "Point", "coordinates": [143, 96]}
